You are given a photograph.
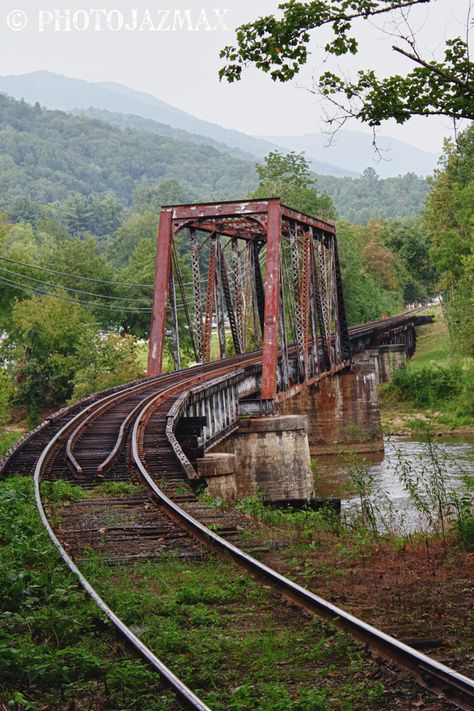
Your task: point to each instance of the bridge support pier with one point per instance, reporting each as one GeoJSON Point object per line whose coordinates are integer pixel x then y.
{"type": "Point", "coordinates": [272, 458]}
{"type": "Point", "coordinates": [343, 412]}
{"type": "Point", "coordinates": [218, 469]}
{"type": "Point", "coordinates": [385, 360]}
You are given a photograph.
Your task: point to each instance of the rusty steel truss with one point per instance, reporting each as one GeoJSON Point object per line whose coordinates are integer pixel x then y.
{"type": "Point", "coordinates": [262, 276]}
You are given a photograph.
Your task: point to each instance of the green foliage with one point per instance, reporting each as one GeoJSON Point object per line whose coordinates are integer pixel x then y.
{"type": "Point", "coordinates": [44, 348]}
{"type": "Point", "coordinates": [61, 491]}
{"type": "Point", "coordinates": [449, 219]}
{"type": "Point", "coordinates": [440, 507]}
{"type": "Point", "coordinates": [369, 274]}
{"type": "Point", "coordinates": [110, 360]}
{"type": "Point", "coordinates": [5, 397]}
{"type": "Point", "coordinates": [55, 645]}
{"type": "Point", "coordinates": [429, 385]}
{"type": "Point", "coordinates": [123, 243]}
{"type": "Point", "coordinates": [151, 198]}
{"type": "Point", "coordinates": [449, 388]}
{"type": "Point", "coordinates": [191, 615]}
{"type": "Point", "coordinates": [54, 351]}
{"type": "Point", "coordinates": [289, 177]}
{"type": "Point", "coordinates": [116, 488]}
{"type": "Point", "coordinates": [279, 46]}
{"type": "Point", "coordinates": [7, 440]}
{"type": "Point", "coordinates": [50, 156]}
{"type": "Point", "coordinates": [361, 199]}
{"type": "Point", "coordinates": [410, 243]}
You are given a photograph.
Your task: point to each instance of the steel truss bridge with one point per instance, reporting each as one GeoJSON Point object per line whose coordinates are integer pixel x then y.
{"type": "Point", "coordinates": [272, 277]}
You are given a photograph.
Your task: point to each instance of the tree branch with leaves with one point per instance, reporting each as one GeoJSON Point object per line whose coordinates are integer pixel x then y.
{"type": "Point", "coordinates": [279, 47]}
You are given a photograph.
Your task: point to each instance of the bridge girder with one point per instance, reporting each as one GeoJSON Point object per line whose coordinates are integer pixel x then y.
{"type": "Point", "coordinates": [281, 284]}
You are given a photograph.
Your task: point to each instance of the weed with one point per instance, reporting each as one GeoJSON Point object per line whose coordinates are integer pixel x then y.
{"type": "Point", "coordinates": [7, 440]}
{"type": "Point", "coordinates": [61, 491]}
{"type": "Point", "coordinates": [117, 488]}
{"type": "Point", "coordinates": [55, 645]}
{"type": "Point", "coordinates": [440, 507]}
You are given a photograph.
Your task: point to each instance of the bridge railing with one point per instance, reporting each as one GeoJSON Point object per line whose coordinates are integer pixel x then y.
{"type": "Point", "coordinates": [212, 409]}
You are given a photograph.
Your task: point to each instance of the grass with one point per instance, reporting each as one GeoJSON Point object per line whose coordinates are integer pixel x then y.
{"type": "Point", "coordinates": [436, 388]}
{"type": "Point", "coordinates": [230, 639]}
{"type": "Point", "coordinates": [56, 648]}
{"type": "Point", "coordinates": [432, 344]}
{"type": "Point", "coordinates": [233, 642]}
{"type": "Point", "coordinates": [8, 438]}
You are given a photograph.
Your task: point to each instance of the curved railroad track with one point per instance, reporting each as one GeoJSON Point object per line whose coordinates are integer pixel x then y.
{"type": "Point", "coordinates": [123, 434]}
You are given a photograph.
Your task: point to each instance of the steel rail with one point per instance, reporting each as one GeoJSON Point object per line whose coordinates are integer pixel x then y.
{"type": "Point", "coordinates": [354, 332]}
{"type": "Point", "coordinates": [429, 673]}
{"type": "Point", "coordinates": [184, 695]}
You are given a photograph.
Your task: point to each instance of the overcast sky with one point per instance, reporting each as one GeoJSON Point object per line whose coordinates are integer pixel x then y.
{"type": "Point", "coordinates": [181, 67]}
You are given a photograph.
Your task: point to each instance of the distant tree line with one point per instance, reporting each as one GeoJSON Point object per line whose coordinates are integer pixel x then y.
{"type": "Point", "coordinates": [76, 272]}
{"type": "Point", "coordinates": [88, 171]}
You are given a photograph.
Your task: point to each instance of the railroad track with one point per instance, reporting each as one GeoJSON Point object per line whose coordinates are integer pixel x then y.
{"type": "Point", "coordinates": [121, 435]}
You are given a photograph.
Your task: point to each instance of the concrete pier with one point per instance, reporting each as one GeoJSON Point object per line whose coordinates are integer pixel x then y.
{"type": "Point", "coordinates": [272, 457]}
{"type": "Point", "coordinates": [218, 469]}
{"type": "Point", "coordinates": [343, 412]}
{"type": "Point", "coordinates": [384, 359]}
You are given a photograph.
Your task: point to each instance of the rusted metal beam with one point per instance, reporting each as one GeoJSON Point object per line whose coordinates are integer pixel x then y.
{"type": "Point", "coordinates": [272, 302]}
{"type": "Point", "coordinates": [162, 273]}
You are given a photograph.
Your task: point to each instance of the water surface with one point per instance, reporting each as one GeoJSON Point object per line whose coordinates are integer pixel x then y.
{"type": "Point", "coordinates": [453, 455]}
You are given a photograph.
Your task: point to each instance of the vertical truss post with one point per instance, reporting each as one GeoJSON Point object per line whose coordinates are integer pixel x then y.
{"type": "Point", "coordinates": [337, 333]}
{"type": "Point", "coordinates": [259, 286]}
{"type": "Point", "coordinates": [305, 297]}
{"type": "Point", "coordinates": [342, 318]}
{"type": "Point", "coordinates": [210, 297]}
{"type": "Point", "coordinates": [162, 272]}
{"type": "Point", "coordinates": [195, 254]}
{"type": "Point", "coordinates": [325, 306]}
{"type": "Point", "coordinates": [238, 292]}
{"type": "Point", "coordinates": [324, 363]}
{"type": "Point", "coordinates": [313, 309]}
{"type": "Point", "coordinates": [272, 299]}
{"type": "Point", "coordinates": [174, 321]}
{"type": "Point", "coordinates": [295, 270]}
{"type": "Point", "coordinates": [285, 365]}
{"type": "Point", "coordinates": [253, 288]}
{"type": "Point", "coordinates": [229, 304]}
{"type": "Point", "coordinates": [220, 300]}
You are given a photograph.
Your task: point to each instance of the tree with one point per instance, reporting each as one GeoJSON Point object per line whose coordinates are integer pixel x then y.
{"type": "Point", "coordinates": [43, 350]}
{"type": "Point", "coordinates": [371, 287]}
{"type": "Point", "coordinates": [279, 46]}
{"type": "Point", "coordinates": [121, 245]}
{"type": "Point", "coordinates": [289, 177]}
{"type": "Point", "coordinates": [111, 359]}
{"type": "Point", "coordinates": [151, 198]}
{"type": "Point", "coordinates": [449, 219]}
{"type": "Point", "coordinates": [410, 242]}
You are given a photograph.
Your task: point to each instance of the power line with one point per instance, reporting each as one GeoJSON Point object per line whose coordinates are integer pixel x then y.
{"type": "Point", "coordinates": [70, 288]}
{"type": "Point", "coordinates": [105, 307]}
{"type": "Point", "coordinates": [76, 276]}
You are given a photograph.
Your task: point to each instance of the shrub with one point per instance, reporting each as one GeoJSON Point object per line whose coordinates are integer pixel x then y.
{"type": "Point", "coordinates": [430, 385]}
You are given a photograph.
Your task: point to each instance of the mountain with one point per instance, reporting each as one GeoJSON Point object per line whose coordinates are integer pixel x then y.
{"type": "Point", "coordinates": [47, 155]}
{"type": "Point", "coordinates": [354, 151]}
{"type": "Point", "coordinates": [55, 91]}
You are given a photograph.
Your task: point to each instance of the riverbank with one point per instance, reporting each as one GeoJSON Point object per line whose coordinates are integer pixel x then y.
{"type": "Point", "coordinates": [434, 392]}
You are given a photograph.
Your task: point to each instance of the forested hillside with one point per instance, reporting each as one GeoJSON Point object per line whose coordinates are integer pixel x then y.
{"type": "Point", "coordinates": [81, 202]}
{"type": "Point", "coordinates": [47, 155]}
{"type": "Point", "coordinates": [361, 199]}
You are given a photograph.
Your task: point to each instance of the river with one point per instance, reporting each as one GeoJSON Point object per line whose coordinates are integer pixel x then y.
{"type": "Point", "coordinates": [455, 457]}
